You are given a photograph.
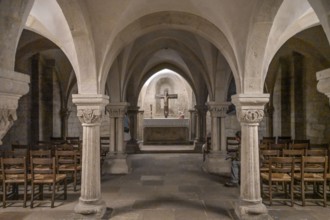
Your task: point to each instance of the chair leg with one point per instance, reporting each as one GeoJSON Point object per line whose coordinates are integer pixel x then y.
{"type": "Point", "coordinates": [291, 193]}
{"type": "Point", "coordinates": [65, 189]}
{"type": "Point", "coordinates": [303, 193]}
{"type": "Point", "coordinates": [270, 193]}
{"type": "Point", "coordinates": [325, 193]}
{"type": "Point", "coordinates": [25, 192]}
{"type": "Point", "coordinates": [4, 195]}
{"type": "Point", "coordinates": [32, 195]}
{"type": "Point", "coordinates": [53, 194]}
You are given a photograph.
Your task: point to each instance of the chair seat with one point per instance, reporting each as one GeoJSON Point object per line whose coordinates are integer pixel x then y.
{"type": "Point", "coordinates": [68, 167]}
{"type": "Point", "coordinates": [309, 177]}
{"type": "Point", "coordinates": [277, 177]}
{"type": "Point", "coordinates": [48, 178]}
{"type": "Point", "coordinates": [16, 178]}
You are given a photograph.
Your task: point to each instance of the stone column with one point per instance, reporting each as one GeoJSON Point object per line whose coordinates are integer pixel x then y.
{"type": "Point", "coordinates": [250, 111]}
{"type": "Point", "coordinates": [323, 85]}
{"type": "Point", "coordinates": [65, 113]}
{"type": "Point", "coordinates": [216, 160]}
{"type": "Point", "coordinates": [132, 145]}
{"type": "Point", "coordinates": [269, 120]}
{"type": "Point", "coordinates": [13, 86]}
{"type": "Point", "coordinates": [116, 161]}
{"type": "Point", "coordinates": [201, 111]}
{"type": "Point", "coordinates": [90, 109]}
{"type": "Point", "coordinates": [192, 126]}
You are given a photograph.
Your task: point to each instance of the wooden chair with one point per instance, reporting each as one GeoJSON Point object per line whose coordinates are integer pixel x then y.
{"type": "Point", "coordinates": [232, 144]}
{"type": "Point", "coordinates": [265, 156]}
{"type": "Point", "coordinates": [317, 152]}
{"type": "Point", "coordinates": [279, 147]}
{"type": "Point", "coordinates": [302, 141]}
{"type": "Point", "coordinates": [313, 170]}
{"type": "Point", "coordinates": [284, 140]}
{"type": "Point", "coordinates": [41, 153]}
{"type": "Point", "coordinates": [43, 172]}
{"type": "Point", "coordinates": [280, 170]}
{"type": "Point", "coordinates": [67, 162]}
{"type": "Point", "coordinates": [297, 155]}
{"type": "Point", "coordinates": [14, 173]}
{"type": "Point", "coordinates": [65, 147]}
{"type": "Point", "coordinates": [268, 141]}
{"type": "Point", "coordinates": [298, 146]}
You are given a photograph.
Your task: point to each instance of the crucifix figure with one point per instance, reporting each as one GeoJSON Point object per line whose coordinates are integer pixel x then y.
{"type": "Point", "coordinates": [166, 97]}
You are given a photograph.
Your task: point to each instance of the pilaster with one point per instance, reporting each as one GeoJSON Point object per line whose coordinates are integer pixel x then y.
{"type": "Point", "coordinates": [90, 109]}
{"type": "Point", "coordinates": [250, 112]}
{"type": "Point", "coordinates": [215, 161]}
{"type": "Point", "coordinates": [13, 86]}
{"type": "Point", "coordinates": [116, 161]}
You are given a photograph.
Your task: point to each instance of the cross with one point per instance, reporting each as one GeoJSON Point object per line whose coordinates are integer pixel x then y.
{"type": "Point", "coordinates": [166, 97]}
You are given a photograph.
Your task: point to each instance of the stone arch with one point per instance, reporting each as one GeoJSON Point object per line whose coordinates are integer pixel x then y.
{"type": "Point", "coordinates": [168, 20]}
{"type": "Point", "coordinates": [322, 9]}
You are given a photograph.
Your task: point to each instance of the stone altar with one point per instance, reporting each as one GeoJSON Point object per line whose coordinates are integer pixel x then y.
{"type": "Point", "coordinates": [166, 131]}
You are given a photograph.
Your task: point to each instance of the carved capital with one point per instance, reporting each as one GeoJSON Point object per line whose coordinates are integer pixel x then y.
{"type": "Point", "coordinates": [117, 110]}
{"type": "Point", "coordinates": [218, 109]}
{"type": "Point", "coordinates": [250, 115]}
{"type": "Point", "coordinates": [89, 116]}
{"type": "Point", "coordinates": [323, 85]}
{"type": "Point", "coordinates": [7, 118]}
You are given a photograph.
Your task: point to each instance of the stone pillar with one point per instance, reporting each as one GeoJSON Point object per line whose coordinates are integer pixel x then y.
{"type": "Point", "coordinates": [116, 161]}
{"type": "Point", "coordinates": [201, 127]}
{"type": "Point", "coordinates": [192, 125]}
{"type": "Point", "coordinates": [13, 86]}
{"type": "Point", "coordinates": [250, 111]}
{"type": "Point", "coordinates": [90, 109]}
{"type": "Point", "coordinates": [216, 160]}
{"type": "Point", "coordinates": [140, 125]}
{"type": "Point", "coordinates": [323, 85]}
{"type": "Point", "coordinates": [65, 113]}
{"type": "Point", "coordinates": [269, 120]}
{"type": "Point", "coordinates": [132, 145]}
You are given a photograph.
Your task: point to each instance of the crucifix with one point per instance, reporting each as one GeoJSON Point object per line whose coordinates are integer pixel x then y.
{"type": "Point", "coordinates": [166, 97]}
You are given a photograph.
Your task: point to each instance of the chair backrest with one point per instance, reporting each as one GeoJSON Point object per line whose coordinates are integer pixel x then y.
{"type": "Point", "coordinates": [280, 147]}
{"type": "Point", "coordinates": [66, 157]}
{"type": "Point", "coordinates": [293, 153]}
{"type": "Point", "coordinates": [41, 153]}
{"type": "Point", "coordinates": [281, 165]}
{"type": "Point", "coordinates": [317, 152]}
{"type": "Point", "coordinates": [302, 141]}
{"type": "Point", "coordinates": [296, 146]}
{"type": "Point", "coordinates": [232, 144]}
{"type": "Point", "coordinates": [284, 139]}
{"type": "Point", "coordinates": [64, 147]}
{"type": "Point", "coordinates": [43, 166]}
{"type": "Point", "coordinates": [13, 166]}
{"type": "Point", "coordinates": [313, 164]}
{"type": "Point", "coordinates": [268, 140]}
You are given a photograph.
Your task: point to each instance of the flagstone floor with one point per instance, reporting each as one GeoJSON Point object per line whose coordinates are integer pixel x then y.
{"type": "Point", "coordinates": [168, 186]}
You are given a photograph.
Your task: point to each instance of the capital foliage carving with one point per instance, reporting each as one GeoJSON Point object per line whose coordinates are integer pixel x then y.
{"type": "Point", "coordinates": [116, 112]}
{"type": "Point", "coordinates": [7, 118]}
{"type": "Point", "coordinates": [250, 115]}
{"type": "Point", "coordinates": [89, 116]}
{"type": "Point", "coordinates": [218, 111]}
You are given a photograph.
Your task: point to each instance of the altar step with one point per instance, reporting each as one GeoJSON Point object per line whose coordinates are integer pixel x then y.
{"type": "Point", "coordinates": [167, 149]}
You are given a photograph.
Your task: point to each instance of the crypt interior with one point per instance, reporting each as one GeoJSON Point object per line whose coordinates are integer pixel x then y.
{"type": "Point", "coordinates": [183, 71]}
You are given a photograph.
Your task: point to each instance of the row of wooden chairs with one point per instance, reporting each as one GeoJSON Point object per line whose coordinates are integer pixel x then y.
{"type": "Point", "coordinates": [43, 171]}
{"type": "Point", "coordinates": [281, 170]}
{"type": "Point", "coordinates": [282, 140]}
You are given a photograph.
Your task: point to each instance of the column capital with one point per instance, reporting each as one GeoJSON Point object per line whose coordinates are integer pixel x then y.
{"type": "Point", "coordinates": [133, 109]}
{"type": "Point", "coordinates": [323, 85]}
{"type": "Point", "coordinates": [90, 107]}
{"type": "Point", "coordinates": [250, 107]}
{"type": "Point", "coordinates": [201, 108]}
{"type": "Point", "coordinates": [117, 109]}
{"type": "Point", "coordinates": [218, 109]}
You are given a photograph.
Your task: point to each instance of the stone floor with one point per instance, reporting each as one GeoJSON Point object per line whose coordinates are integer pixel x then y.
{"type": "Point", "coordinates": [164, 187]}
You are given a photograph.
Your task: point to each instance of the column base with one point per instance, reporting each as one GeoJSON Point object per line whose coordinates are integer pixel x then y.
{"type": "Point", "coordinates": [132, 147]}
{"type": "Point", "coordinates": [117, 164]}
{"type": "Point", "coordinates": [93, 209]}
{"type": "Point", "coordinates": [198, 146]}
{"type": "Point", "coordinates": [216, 163]}
{"type": "Point", "coordinates": [251, 210]}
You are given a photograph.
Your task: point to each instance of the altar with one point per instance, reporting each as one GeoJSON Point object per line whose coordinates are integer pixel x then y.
{"type": "Point", "coordinates": [166, 131]}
